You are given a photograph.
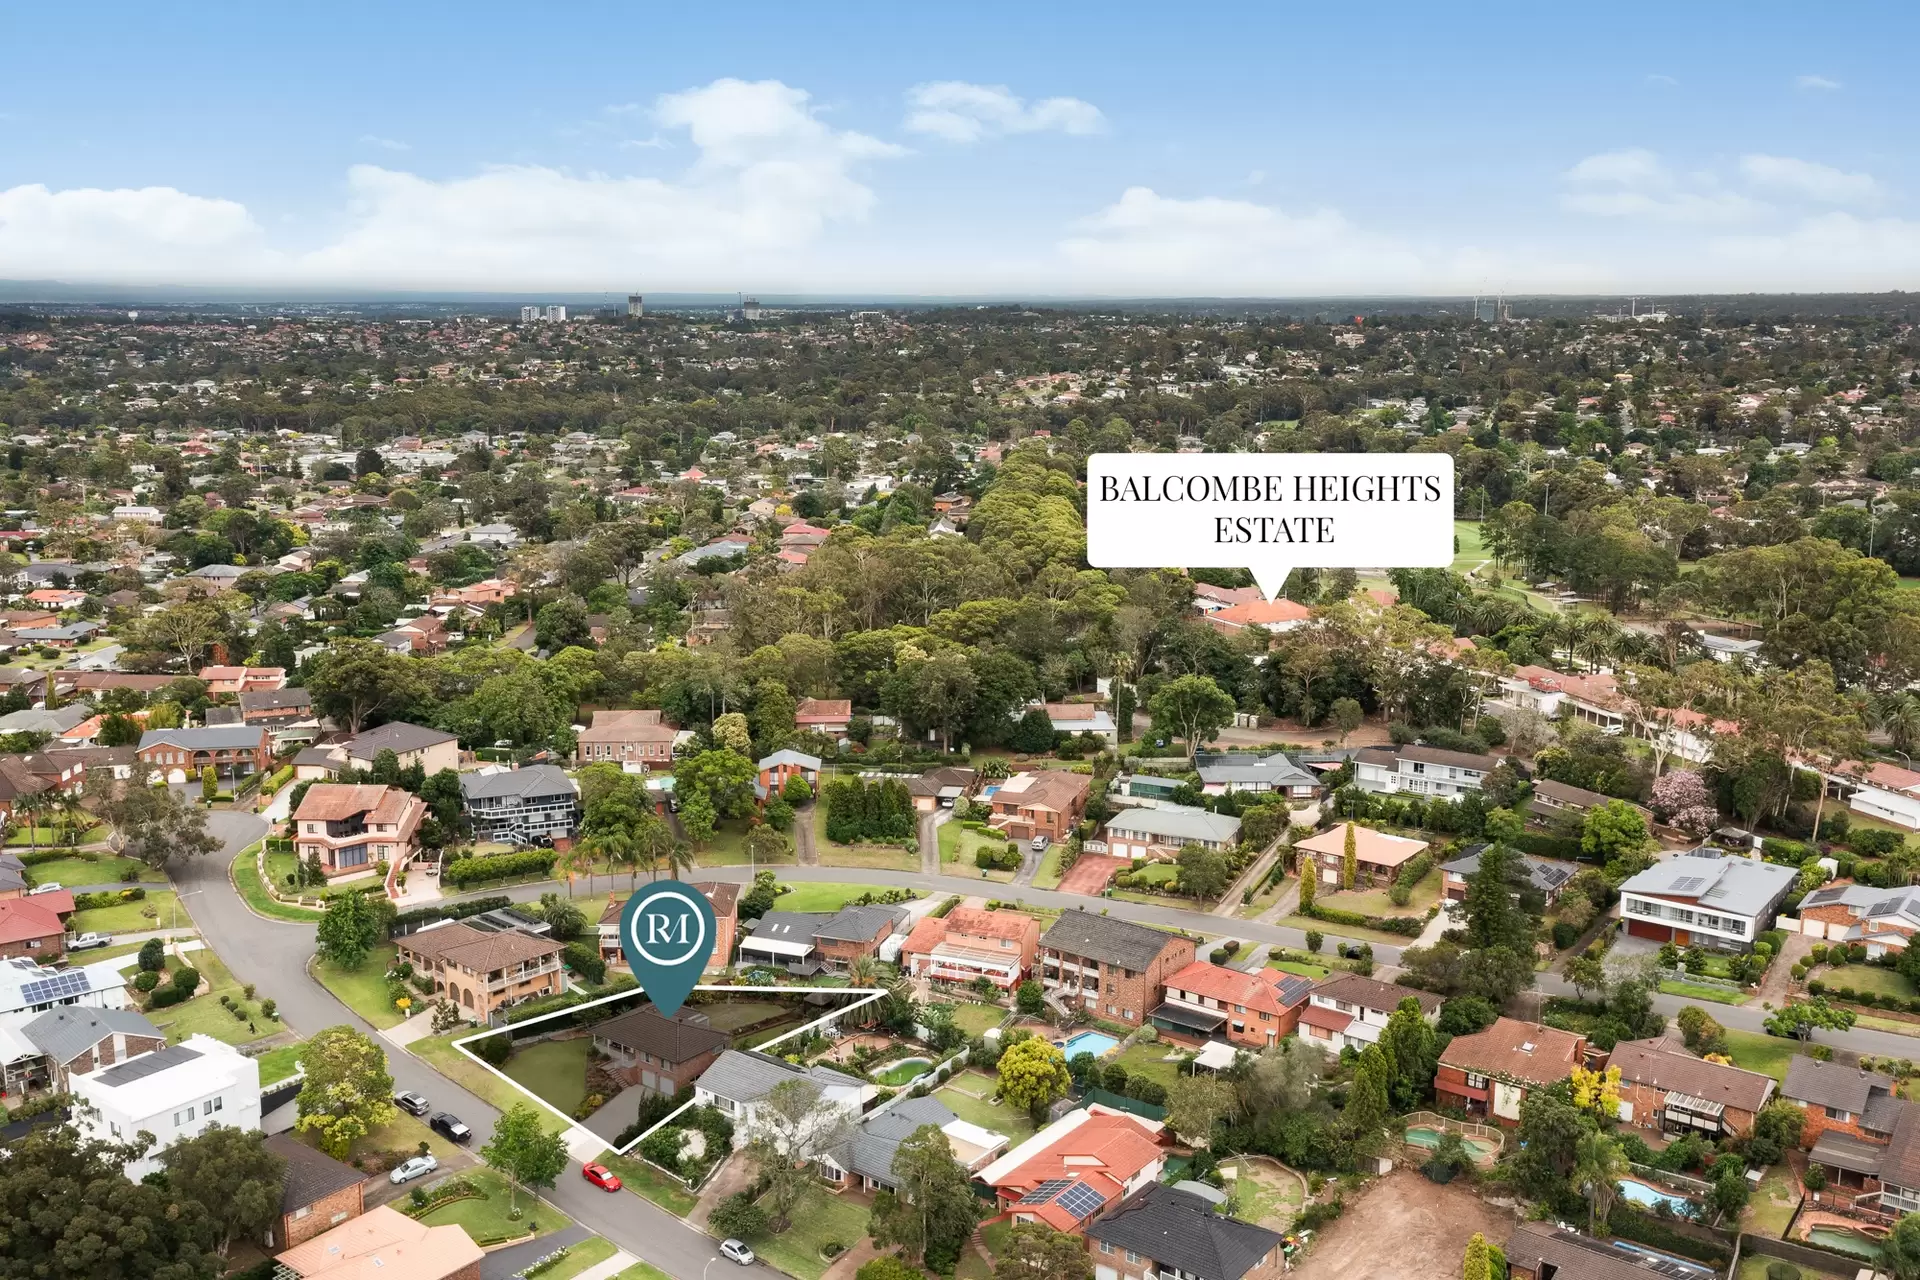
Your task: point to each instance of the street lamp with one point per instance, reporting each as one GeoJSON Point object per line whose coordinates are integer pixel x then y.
{"type": "Point", "coordinates": [173, 917]}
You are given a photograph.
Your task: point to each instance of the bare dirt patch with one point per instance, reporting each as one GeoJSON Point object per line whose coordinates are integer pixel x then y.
{"type": "Point", "coordinates": [1090, 872]}
{"type": "Point", "coordinates": [1403, 1227]}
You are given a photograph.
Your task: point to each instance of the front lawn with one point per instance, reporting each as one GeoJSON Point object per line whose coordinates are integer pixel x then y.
{"type": "Point", "coordinates": [581, 1255]}
{"type": "Point", "coordinates": [958, 847]}
{"type": "Point", "coordinates": [1350, 932]}
{"type": "Point", "coordinates": [206, 1015]}
{"type": "Point", "coordinates": [1379, 902]}
{"type": "Point", "coordinates": [869, 857]}
{"type": "Point", "coordinates": [643, 1271]}
{"type": "Point", "coordinates": [819, 1219]}
{"type": "Point", "coordinates": [553, 1070]}
{"type": "Point", "coordinates": [1303, 970]}
{"type": "Point", "coordinates": [1756, 1051]}
{"type": "Point", "coordinates": [1051, 872]}
{"type": "Point", "coordinates": [438, 1052]}
{"type": "Point", "coordinates": [278, 1064]}
{"type": "Point", "coordinates": [246, 878]}
{"type": "Point", "coordinates": [649, 1183]}
{"type": "Point", "coordinates": [824, 896]}
{"type": "Point", "coordinates": [78, 873]}
{"type": "Point", "coordinates": [364, 990]}
{"type": "Point", "coordinates": [131, 917]}
{"type": "Point", "coordinates": [1691, 991]}
{"type": "Point", "coordinates": [1869, 977]}
{"type": "Point", "coordinates": [728, 847]}
{"type": "Point", "coordinates": [487, 1220]}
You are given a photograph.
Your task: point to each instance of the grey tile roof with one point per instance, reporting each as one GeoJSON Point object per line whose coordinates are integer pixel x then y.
{"type": "Point", "coordinates": [1832, 1084]}
{"type": "Point", "coordinates": [1106, 939]}
{"type": "Point", "coordinates": [1737, 885]}
{"type": "Point", "coordinates": [1371, 993]}
{"type": "Point", "coordinates": [745, 1076]}
{"type": "Point", "coordinates": [311, 1175]}
{"type": "Point", "coordinates": [1177, 822]}
{"type": "Point", "coordinates": [398, 737]}
{"type": "Point", "coordinates": [871, 1149]}
{"type": "Point", "coordinates": [861, 924]}
{"type": "Point", "coordinates": [788, 926]}
{"type": "Point", "coordinates": [1276, 770]}
{"type": "Point", "coordinates": [275, 699]}
{"type": "Point", "coordinates": [1546, 876]}
{"type": "Point", "coordinates": [530, 780]}
{"type": "Point", "coordinates": [209, 739]}
{"type": "Point", "coordinates": [65, 1033]}
{"type": "Point", "coordinates": [1180, 1230]}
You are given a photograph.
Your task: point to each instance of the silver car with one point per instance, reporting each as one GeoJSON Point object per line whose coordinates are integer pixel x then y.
{"type": "Point", "coordinates": [738, 1251]}
{"type": "Point", "coordinates": [407, 1171]}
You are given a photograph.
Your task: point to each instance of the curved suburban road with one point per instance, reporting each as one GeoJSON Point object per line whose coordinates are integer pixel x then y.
{"type": "Point", "coordinates": [273, 955]}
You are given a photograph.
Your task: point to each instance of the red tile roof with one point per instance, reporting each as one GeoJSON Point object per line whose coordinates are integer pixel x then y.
{"type": "Point", "coordinates": [24, 919]}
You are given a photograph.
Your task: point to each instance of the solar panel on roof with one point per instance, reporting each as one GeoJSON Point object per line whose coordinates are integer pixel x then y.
{"type": "Point", "coordinates": [1081, 1200]}
{"type": "Point", "coordinates": [1885, 908]}
{"type": "Point", "coordinates": [1046, 1191]}
{"type": "Point", "coordinates": [71, 983]}
{"type": "Point", "coordinates": [1687, 882]}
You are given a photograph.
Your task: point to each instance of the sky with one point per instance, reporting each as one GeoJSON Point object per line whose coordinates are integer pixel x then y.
{"type": "Point", "coordinates": [979, 149]}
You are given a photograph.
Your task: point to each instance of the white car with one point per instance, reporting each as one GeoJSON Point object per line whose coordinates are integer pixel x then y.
{"type": "Point", "coordinates": [418, 1167]}
{"type": "Point", "coordinates": [1039, 844]}
{"type": "Point", "coordinates": [738, 1251]}
{"type": "Point", "coordinates": [88, 941]}
{"type": "Point", "coordinates": [55, 887]}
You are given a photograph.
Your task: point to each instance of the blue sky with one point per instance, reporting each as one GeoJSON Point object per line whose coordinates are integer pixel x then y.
{"type": "Point", "coordinates": [1116, 149]}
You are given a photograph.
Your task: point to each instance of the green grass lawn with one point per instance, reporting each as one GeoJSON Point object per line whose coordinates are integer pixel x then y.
{"type": "Point", "coordinates": [957, 848]}
{"type": "Point", "coordinates": [78, 873]}
{"type": "Point", "coordinates": [363, 990]}
{"type": "Point", "coordinates": [1472, 550]}
{"type": "Point", "coordinates": [1868, 977]}
{"type": "Point", "coordinates": [1266, 1195]}
{"type": "Point", "coordinates": [130, 917]}
{"type": "Point", "coordinates": [1295, 966]}
{"type": "Point", "coordinates": [820, 1218]}
{"type": "Point", "coordinates": [728, 847]}
{"type": "Point", "coordinates": [586, 1253]}
{"type": "Point", "coordinates": [643, 1271]}
{"type": "Point", "coordinates": [438, 1052]}
{"type": "Point", "coordinates": [1379, 902]}
{"type": "Point", "coordinates": [870, 857]}
{"type": "Point", "coordinates": [1050, 872]}
{"type": "Point", "coordinates": [731, 1015]}
{"type": "Point", "coordinates": [966, 1096]}
{"type": "Point", "coordinates": [1350, 932]}
{"type": "Point", "coordinates": [488, 1218]}
{"type": "Point", "coordinates": [1691, 991]}
{"type": "Point", "coordinates": [205, 1015]}
{"type": "Point", "coordinates": [975, 1018]}
{"type": "Point", "coordinates": [246, 878]}
{"type": "Point", "coordinates": [649, 1183]}
{"type": "Point", "coordinates": [1771, 1207]}
{"type": "Point", "coordinates": [823, 895]}
{"type": "Point", "coordinates": [1145, 1060]}
{"type": "Point", "coordinates": [53, 837]}
{"type": "Point", "coordinates": [1756, 1051]}
{"type": "Point", "coordinates": [555, 1070]}
{"type": "Point", "coordinates": [278, 1064]}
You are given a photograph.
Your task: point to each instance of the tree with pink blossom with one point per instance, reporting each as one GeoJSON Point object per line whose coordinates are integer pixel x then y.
{"type": "Point", "coordinates": [1683, 799]}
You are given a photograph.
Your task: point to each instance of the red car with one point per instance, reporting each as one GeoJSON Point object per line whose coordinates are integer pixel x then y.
{"type": "Point", "coordinates": [600, 1176]}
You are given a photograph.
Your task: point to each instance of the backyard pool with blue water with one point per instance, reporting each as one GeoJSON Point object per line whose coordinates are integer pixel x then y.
{"type": "Point", "coordinates": [1097, 1043]}
{"type": "Point", "coordinates": [1651, 1197]}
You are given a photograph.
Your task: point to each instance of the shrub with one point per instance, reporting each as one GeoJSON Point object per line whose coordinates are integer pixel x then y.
{"type": "Point", "coordinates": [165, 997]}
{"type": "Point", "coordinates": [270, 1008]}
{"type": "Point", "coordinates": [145, 981]}
{"type": "Point", "coordinates": [494, 1049]}
{"type": "Point", "coordinates": [1816, 1178]}
{"type": "Point", "coordinates": [1564, 935]}
{"type": "Point", "coordinates": [185, 980]}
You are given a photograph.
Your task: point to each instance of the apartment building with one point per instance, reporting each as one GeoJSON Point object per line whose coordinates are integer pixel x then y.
{"type": "Point", "coordinates": [349, 827]}
{"type": "Point", "coordinates": [1115, 969]}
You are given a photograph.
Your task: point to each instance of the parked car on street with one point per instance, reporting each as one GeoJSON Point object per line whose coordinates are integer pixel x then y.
{"type": "Point", "coordinates": [88, 941]}
{"type": "Point", "coordinates": [600, 1176]}
{"type": "Point", "coordinates": [408, 1170]}
{"type": "Point", "coordinates": [738, 1251]}
{"type": "Point", "coordinates": [411, 1103]}
{"type": "Point", "coordinates": [447, 1123]}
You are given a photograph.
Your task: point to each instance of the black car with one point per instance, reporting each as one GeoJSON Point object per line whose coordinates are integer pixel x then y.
{"type": "Point", "coordinates": [445, 1122]}
{"type": "Point", "coordinates": [411, 1103]}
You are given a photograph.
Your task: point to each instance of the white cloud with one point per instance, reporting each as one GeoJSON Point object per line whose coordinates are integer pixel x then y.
{"type": "Point", "coordinates": [386, 144]}
{"type": "Point", "coordinates": [1818, 83]}
{"type": "Point", "coordinates": [1654, 77]}
{"type": "Point", "coordinates": [135, 234]}
{"type": "Point", "coordinates": [1636, 183]}
{"type": "Point", "coordinates": [962, 112]}
{"type": "Point", "coordinates": [1808, 180]}
{"type": "Point", "coordinates": [768, 179]}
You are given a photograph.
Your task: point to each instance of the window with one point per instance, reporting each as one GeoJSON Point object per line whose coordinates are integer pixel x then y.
{"type": "Point", "coordinates": [1106, 1246]}
{"type": "Point", "coordinates": [1476, 1081]}
{"type": "Point", "coordinates": [302, 1212]}
{"type": "Point", "coordinates": [1132, 1257]}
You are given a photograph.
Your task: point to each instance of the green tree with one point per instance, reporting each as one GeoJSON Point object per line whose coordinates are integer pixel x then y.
{"type": "Point", "coordinates": [346, 1093]}
{"type": "Point", "coordinates": [1347, 716]}
{"type": "Point", "coordinates": [1367, 1101]}
{"type": "Point", "coordinates": [1476, 1265]}
{"type": "Point", "coordinates": [1611, 829]}
{"type": "Point", "coordinates": [732, 732]}
{"type": "Point", "coordinates": [1031, 999]}
{"type": "Point", "coordinates": [1350, 859]}
{"type": "Point", "coordinates": [233, 1176]}
{"type": "Point", "coordinates": [932, 1211]}
{"type": "Point", "coordinates": [698, 818]}
{"type": "Point", "coordinates": [1494, 917]}
{"type": "Point", "coordinates": [725, 777]}
{"type": "Point", "coordinates": [349, 929]}
{"type": "Point", "coordinates": [561, 624]}
{"type": "Point", "coordinates": [1413, 1049]}
{"type": "Point", "coordinates": [1598, 1167]}
{"type": "Point", "coordinates": [1033, 1075]}
{"type": "Point", "coordinates": [1309, 883]}
{"type": "Point", "coordinates": [792, 1132]}
{"type": "Point", "coordinates": [1192, 708]}
{"type": "Point", "coordinates": [1196, 1104]}
{"type": "Point", "coordinates": [1035, 1251]}
{"type": "Point", "coordinates": [764, 844]}
{"type": "Point", "coordinates": [523, 1149]}
{"type": "Point", "coordinates": [1900, 1254]}
{"type": "Point", "coordinates": [1587, 973]}
{"type": "Point", "coordinates": [1204, 872]}
{"type": "Point", "coordinates": [1801, 1018]}
{"type": "Point", "coordinates": [356, 681]}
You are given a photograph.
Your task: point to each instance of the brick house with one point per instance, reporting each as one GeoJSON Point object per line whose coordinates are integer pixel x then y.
{"type": "Point", "coordinates": [722, 897]}
{"type": "Point", "coordinates": [1206, 1002]}
{"type": "Point", "coordinates": [424, 634]}
{"type": "Point", "coordinates": [385, 1242]}
{"type": "Point", "coordinates": [276, 706]}
{"type": "Point", "coordinates": [1883, 920]}
{"type": "Point", "coordinates": [1378, 856]}
{"type": "Point", "coordinates": [971, 943]}
{"type": "Point", "coordinates": [1106, 1154]}
{"type": "Point", "coordinates": [1047, 803]}
{"type": "Point", "coordinates": [34, 925]}
{"type": "Point", "coordinates": [807, 942]}
{"type": "Point", "coordinates": [1114, 968]}
{"type": "Point", "coordinates": [411, 744]}
{"type": "Point", "coordinates": [656, 1054]}
{"type": "Point", "coordinates": [234, 750]}
{"type": "Point", "coordinates": [627, 737]}
{"type": "Point", "coordinates": [831, 716]}
{"type": "Point", "coordinates": [318, 1193]}
{"type": "Point", "coordinates": [229, 680]}
{"type": "Point", "coordinates": [78, 1039]}
{"type": "Point", "coordinates": [483, 972]}
{"type": "Point", "coordinates": [1835, 1098]}
{"type": "Point", "coordinates": [1665, 1089]}
{"type": "Point", "coordinates": [1487, 1074]}
{"type": "Point", "coordinates": [1163, 1231]}
{"type": "Point", "coordinates": [350, 826]}
{"type": "Point", "coordinates": [1347, 1009]}
{"type": "Point", "coordinates": [1549, 878]}
{"type": "Point", "coordinates": [778, 768]}
{"type": "Point", "coordinates": [938, 788]}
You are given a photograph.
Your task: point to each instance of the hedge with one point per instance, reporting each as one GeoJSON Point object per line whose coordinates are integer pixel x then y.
{"type": "Point", "coordinates": [34, 857]}
{"type": "Point", "coordinates": [1644, 1228]}
{"type": "Point", "coordinates": [451, 911]}
{"type": "Point", "coordinates": [501, 866]}
{"type": "Point", "coordinates": [568, 999]}
{"type": "Point", "coordinates": [1541, 845]}
{"type": "Point", "coordinates": [585, 960]}
{"type": "Point", "coordinates": [1405, 926]}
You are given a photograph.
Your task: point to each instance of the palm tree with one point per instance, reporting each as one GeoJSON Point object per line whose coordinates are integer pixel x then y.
{"type": "Point", "coordinates": [1598, 1168]}
{"type": "Point", "coordinates": [679, 859]}
{"type": "Point", "coordinates": [652, 841]}
{"type": "Point", "coordinates": [863, 971]}
{"type": "Point", "coordinates": [30, 807]}
{"type": "Point", "coordinates": [1896, 713]}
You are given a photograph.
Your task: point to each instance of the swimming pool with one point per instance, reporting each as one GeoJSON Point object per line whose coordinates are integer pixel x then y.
{"type": "Point", "coordinates": [904, 1071]}
{"type": "Point", "coordinates": [1097, 1043]}
{"type": "Point", "coordinates": [1844, 1241]}
{"type": "Point", "coordinates": [1652, 1197]}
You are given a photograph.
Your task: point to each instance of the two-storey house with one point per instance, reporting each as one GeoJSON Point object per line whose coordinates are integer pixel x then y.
{"type": "Point", "coordinates": [1113, 968]}
{"type": "Point", "coordinates": [1209, 1002]}
{"type": "Point", "coordinates": [725, 901]}
{"type": "Point", "coordinates": [1167, 1233]}
{"type": "Point", "coordinates": [1077, 1168]}
{"type": "Point", "coordinates": [171, 1093]}
{"type": "Point", "coordinates": [656, 1054]}
{"type": "Point", "coordinates": [1705, 899]}
{"type": "Point", "coordinates": [1665, 1089]}
{"type": "Point", "coordinates": [1427, 771]}
{"type": "Point", "coordinates": [970, 943]}
{"type": "Point", "coordinates": [483, 973]}
{"type": "Point", "coordinates": [1048, 802]}
{"type": "Point", "coordinates": [1487, 1074]}
{"type": "Point", "coordinates": [1347, 1009]}
{"type": "Point", "coordinates": [349, 827]}
{"type": "Point", "coordinates": [1377, 858]}
{"type": "Point", "coordinates": [534, 804]}
{"type": "Point", "coordinates": [234, 750]}
{"type": "Point", "coordinates": [637, 737]}
{"type": "Point", "coordinates": [739, 1081]}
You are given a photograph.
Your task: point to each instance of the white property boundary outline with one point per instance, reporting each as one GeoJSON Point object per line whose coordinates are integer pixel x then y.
{"type": "Point", "coordinates": [576, 1128]}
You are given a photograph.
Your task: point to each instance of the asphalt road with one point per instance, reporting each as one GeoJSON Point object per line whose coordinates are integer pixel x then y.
{"type": "Point", "coordinates": [272, 954]}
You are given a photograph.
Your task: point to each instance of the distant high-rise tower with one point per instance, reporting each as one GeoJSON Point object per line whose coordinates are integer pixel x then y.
{"type": "Point", "coordinates": [750, 309]}
{"type": "Point", "coordinates": [636, 306]}
{"type": "Point", "coordinates": [556, 314]}
{"type": "Point", "coordinates": [529, 314]}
